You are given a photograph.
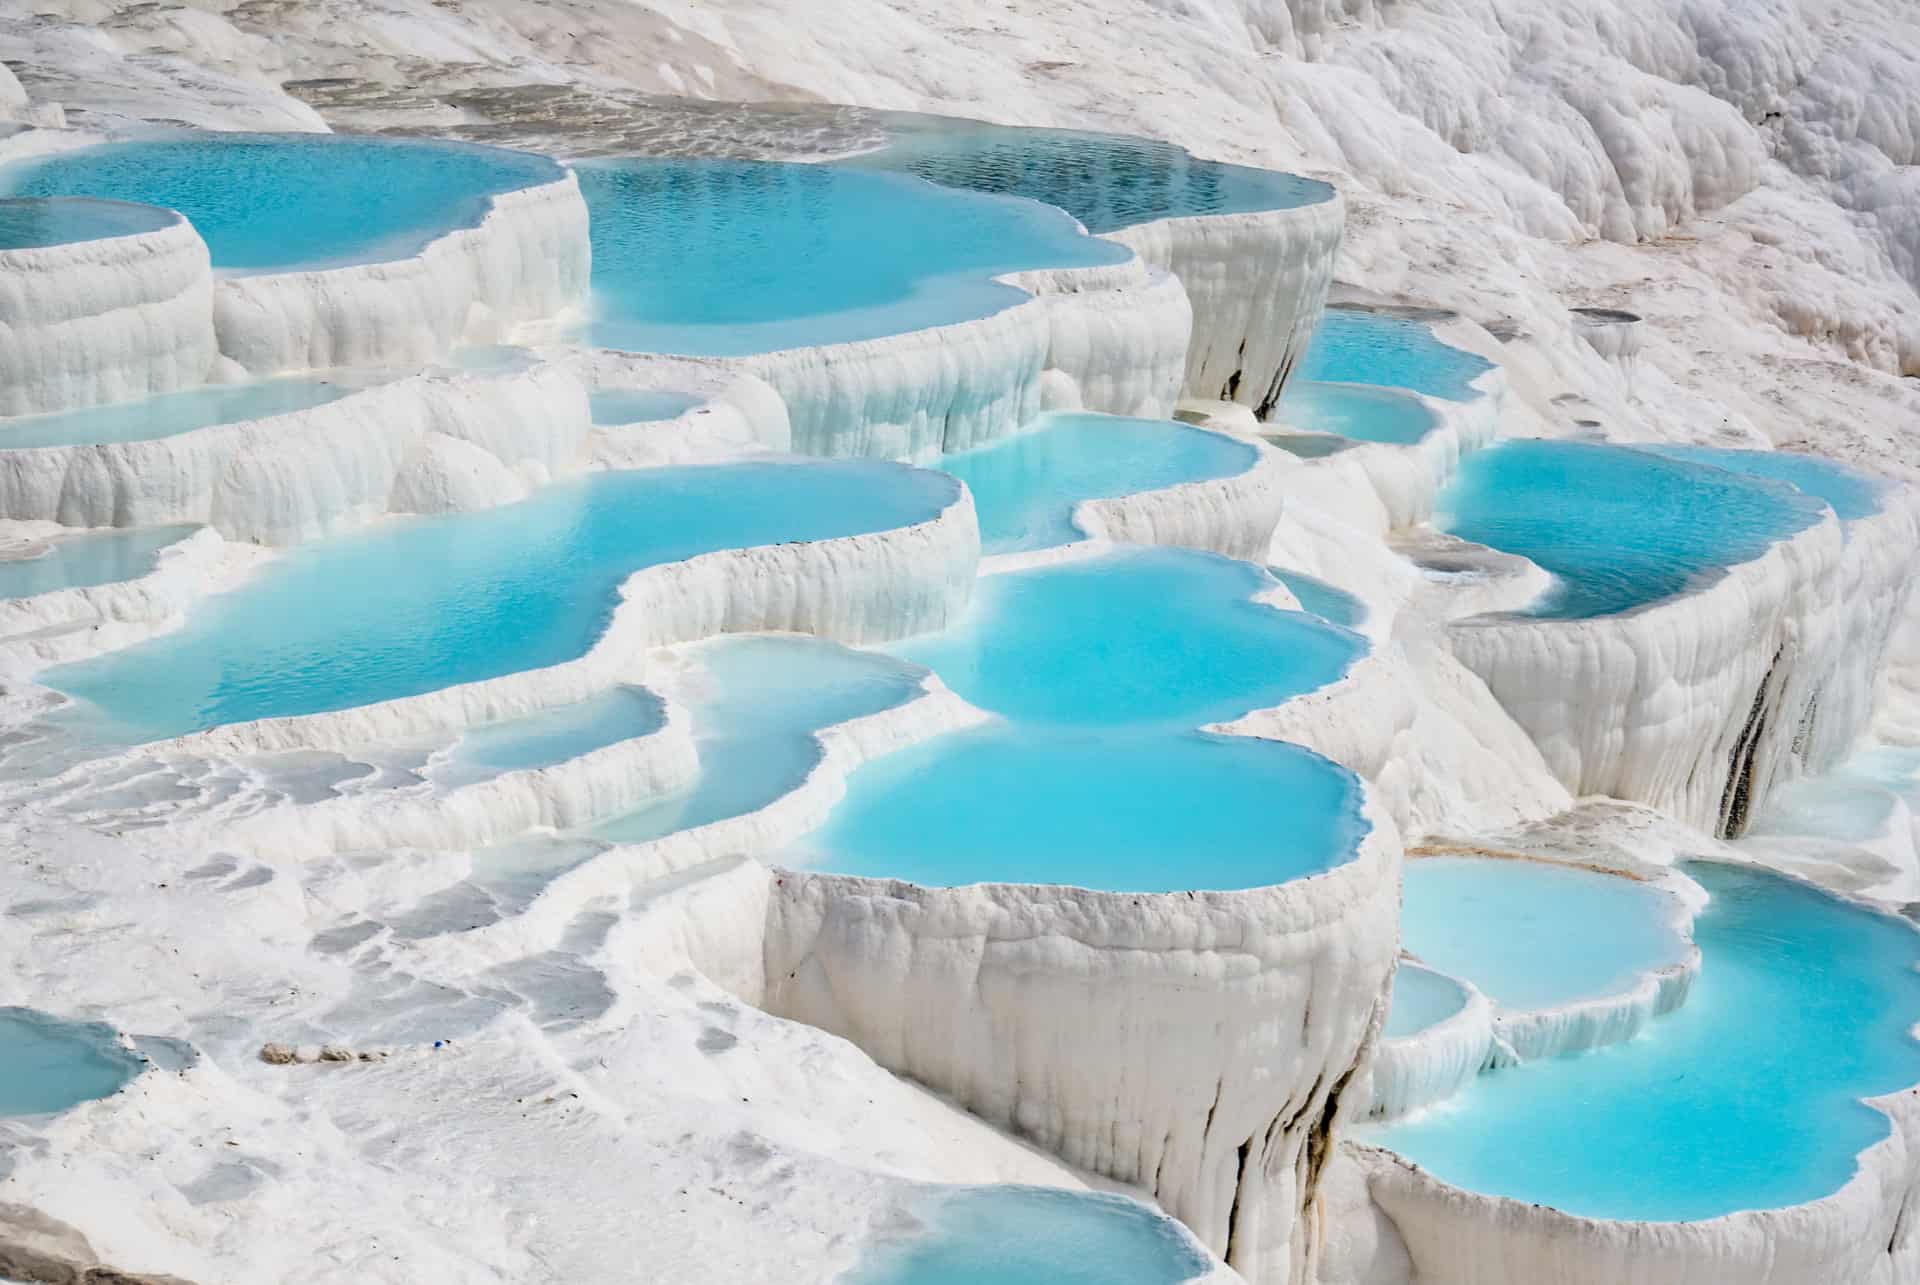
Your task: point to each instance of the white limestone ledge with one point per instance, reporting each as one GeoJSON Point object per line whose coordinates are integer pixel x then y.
{"type": "Point", "coordinates": [1434, 1063]}
{"type": "Point", "coordinates": [104, 320]}
{"type": "Point", "coordinates": [1234, 515]}
{"type": "Point", "coordinates": [1257, 283]}
{"type": "Point", "coordinates": [736, 413]}
{"type": "Point", "coordinates": [527, 261]}
{"type": "Point", "coordinates": [182, 573]}
{"type": "Point", "coordinates": [436, 442]}
{"type": "Point", "coordinates": [1698, 705]}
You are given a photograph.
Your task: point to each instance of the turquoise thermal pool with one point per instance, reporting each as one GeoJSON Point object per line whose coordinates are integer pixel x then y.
{"type": "Point", "coordinates": [30, 223]}
{"type": "Point", "coordinates": [1106, 181]}
{"type": "Point", "coordinates": [1533, 934]}
{"type": "Point", "coordinates": [1033, 1236]}
{"type": "Point", "coordinates": [1746, 1097]}
{"type": "Point", "coordinates": [1359, 346]}
{"type": "Point", "coordinates": [1102, 670]}
{"type": "Point", "coordinates": [1025, 487]}
{"type": "Point", "coordinates": [171, 414]}
{"type": "Point", "coordinates": [717, 258]}
{"type": "Point", "coordinates": [1357, 412]}
{"type": "Point", "coordinates": [82, 561]}
{"type": "Point", "coordinates": [272, 202]}
{"type": "Point", "coordinates": [1317, 597]}
{"type": "Point", "coordinates": [616, 406]}
{"type": "Point", "coordinates": [419, 605]}
{"type": "Point", "coordinates": [1644, 527]}
{"type": "Point", "coordinates": [1422, 998]}
{"type": "Point", "coordinates": [50, 1065]}
{"type": "Point", "coordinates": [1852, 495]}
{"type": "Point", "coordinates": [550, 736]}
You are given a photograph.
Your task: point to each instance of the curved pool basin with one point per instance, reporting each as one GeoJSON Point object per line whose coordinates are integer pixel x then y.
{"type": "Point", "coordinates": [89, 559]}
{"type": "Point", "coordinates": [35, 222]}
{"type": "Point", "coordinates": [715, 258]}
{"type": "Point", "coordinates": [1356, 412]}
{"type": "Point", "coordinates": [1422, 998]}
{"type": "Point", "coordinates": [1850, 493]}
{"type": "Point", "coordinates": [1025, 487]}
{"type": "Point", "coordinates": [615, 406]}
{"type": "Point", "coordinates": [49, 1065]}
{"type": "Point", "coordinates": [170, 414]}
{"type": "Point", "coordinates": [549, 737]}
{"type": "Point", "coordinates": [1316, 597]}
{"type": "Point", "coordinates": [1361, 346]}
{"type": "Point", "coordinates": [275, 202]}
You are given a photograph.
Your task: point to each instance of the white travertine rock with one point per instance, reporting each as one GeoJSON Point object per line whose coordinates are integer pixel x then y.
{"type": "Point", "coordinates": [1431, 1065]}
{"type": "Point", "coordinates": [737, 413]}
{"type": "Point", "coordinates": [1234, 516]}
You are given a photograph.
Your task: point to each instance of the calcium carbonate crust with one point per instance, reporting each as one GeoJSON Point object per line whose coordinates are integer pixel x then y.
{"type": "Point", "coordinates": [1409, 1072]}
{"type": "Point", "coordinates": [736, 413]}
{"type": "Point", "coordinates": [1233, 516]}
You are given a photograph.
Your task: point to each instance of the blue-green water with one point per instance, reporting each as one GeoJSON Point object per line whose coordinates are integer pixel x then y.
{"type": "Point", "coordinates": [28, 223]}
{"type": "Point", "coordinates": [1107, 181]}
{"type": "Point", "coordinates": [424, 604]}
{"type": "Point", "coordinates": [1356, 412]}
{"type": "Point", "coordinates": [1531, 934]}
{"type": "Point", "coordinates": [47, 1065]}
{"type": "Point", "coordinates": [1333, 605]}
{"type": "Point", "coordinates": [1025, 487]}
{"type": "Point", "coordinates": [551, 736]}
{"type": "Point", "coordinates": [1034, 1236]}
{"type": "Point", "coordinates": [82, 561]}
{"type": "Point", "coordinates": [1356, 346]}
{"type": "Point", "coordinates": [1421, 998]}
{"type": "Point", "coordinates": [723, 258]}
{"type": "Point", "coordinates": [1619, 527]}
{"type": "Point", "coordinates": [613, 406]}
{"type": "Point", "coordinates": [1746, 1097]}
{"type": "Point", "coordinates": [1852, 494]}
{"type": "Point", "coordinates": [170, 414]}
{"type": "Point", "coordinates": [269, 202]}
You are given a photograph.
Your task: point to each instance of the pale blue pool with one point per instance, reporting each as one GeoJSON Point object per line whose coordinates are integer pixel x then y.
{"type": "Point", "coordinates": [1747, 1097]}
{"type": "Point", "coordinates": [1025, 487]}
{"type": "Point", "coordinates": [1852, 494]}
{"type": "Point", "coordinates": [1107, 181]}
{"type": "Point", "coordinates": [1358, 346]}
{"type": "Point", "coordinates": [1421, 998]}
{"type": "Point", "coordinates": [271, 202]}
{"type": "Point", "coordinates": [551, 736]}
{"type": "Point", "coordinates": [1357, 412]}
{"type": "Point", "coordinates": [1166, 637]}
{"type": "Point", "coordinates": [30, 223]}
{"type": "Point", "coordinates": [1334, 605]}
{"type": "Point", "coordinates": [615, 406]}
{"type": "Point", "coordinates": [423, 604]}
{"type": "Point", "coordinates": [1033, 1236]}
{"type": "Point", "coordinates": [82, 561]}
{"type": "Point", "coordinates": [762, 697]}
{"type": "Point", "coordinates": [171, 414]}
{"type": "Point", "coordinates": [1618, 527]}
{"type": "Point", "coordinates": [1531, 934]}
{"type": "Point", "coordinates": [48, 1065]}
{"type": "Point", "coordinates": [723, 258]}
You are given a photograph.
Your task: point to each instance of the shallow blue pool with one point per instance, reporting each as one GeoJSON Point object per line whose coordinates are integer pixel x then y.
{"type": "Point", "coordinates": [614, 406]}
{"type": "Point", "coordinates": [48, 1065]}
{"type": "Point", "coordinates": [1852, 494]}
{"type": "Point", "coordinates": [1357, 412]}
{"type": "Point", "coordinates": [1421, 998]}
{"type": "Point", "coordinates": [1531, 934]}
{"type": "Point", "coordinates": [1334, 605]}
{"type": "Point", "coordinates": [761, 699]}
{"type": "Point", "coordinates": [1025, 487]}
{"type": "Point", "coordinates": [82, 561]}
{"type": "Point", "coordinates": [550, 736]}
{"type": "Point", "coordinates": [1033, 1236]}
{"type": "Point", "coordinates": [1358, 346]}
{"type": "Point", "coordinates": [419, 605]}
{"type": "Point", "coordinates": [28, 223]}
{"type": "Point", "coordinates": [723, 258]}
{"type": "Point", "coordinates": [171, 414]}
{"type": "Point", "coordinates": [271, 202]}
{"type": "Point", "coordinates": [1107, 181]}
{"type": "Point", "coordinates": [1166, 637]}
{"type": "Point", "coordinates": [1619, 527]}
{"type": "Point", "coordinates": [1747, 1097]}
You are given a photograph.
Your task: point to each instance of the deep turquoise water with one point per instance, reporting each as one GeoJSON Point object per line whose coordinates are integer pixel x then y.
{"type": "Point", "coordinates": [1335, 606]}
{"type": "Point", "coordinates": [81, 561]}
{"type": "Point", "coordinates": [31, 222]}
{"type": "Point", "coordinates": [1355, 346]}
{"type": "Point", "coordinates": [270, 202]}
{"type": "Point", "coordinates": [1531, 934]}
{"type": "Point", "coordinates": [1356, 412]}
{"type": "Point", "coordinates": [1746, 1097]}
{"type": "Point", "coordinates": [48, 1065]}
{"type": "Point", "coordinates": [1106, 181]}
{"type": "Point", "coordinates": [723, 258]}
{"type": "Point", "coordinates": [764, 696]}
{"type": "Point", "coordinates": [419, 605]}
{"type": "Point", "coordinates": [1025, 487]}
{"type": "Point", "coordinates": [1619, 527]}
{"type": "Point", "coordinates": [1421, 998]}
{"type": "Point", "coordinates": [551, 736]}
{"type": "Point", "coordinates": [1034, 1236]}
{"type": "Point", "coordinates": [170, 414]}
{"type": "Point", "coordinates": [1852, 494]}
{"type": "Point", "coordinates": [612, 406]}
